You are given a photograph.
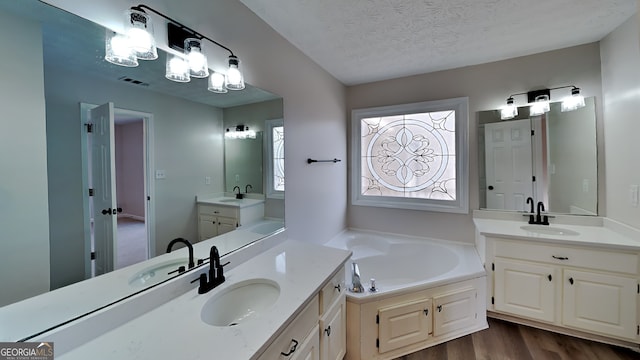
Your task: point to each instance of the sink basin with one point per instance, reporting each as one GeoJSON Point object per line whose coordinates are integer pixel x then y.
{"type": "Point", "coordinates": [157, 273]}
{"type": "Point", "coordinates": [240, 302]}
{"type": "Point", "coordinates": [229, 200]}
{"type": "Point", "coordinates": [548, 230]}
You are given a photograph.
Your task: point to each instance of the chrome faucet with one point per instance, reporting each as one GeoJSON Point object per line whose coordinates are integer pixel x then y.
{"type": "Point", "coordinates": [356, 285]}
{"type": "Point", "coordinates": [189, 246]}
{"type": "Point", "coordinates": [238, 194]}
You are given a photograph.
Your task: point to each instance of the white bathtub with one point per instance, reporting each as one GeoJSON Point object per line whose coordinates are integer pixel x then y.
{"type": "Point", "coordinates": [401, 264]}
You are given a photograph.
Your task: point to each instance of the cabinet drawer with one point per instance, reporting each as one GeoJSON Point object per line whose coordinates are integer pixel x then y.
{"type": "Point", "coordinates": [227, 211]}
{"type": "Point", "coordinates": [595, 259]}
{"type": "Point", "coordinates": [330, 292]}
{"type": "Point", "coordinates": [295, 334]}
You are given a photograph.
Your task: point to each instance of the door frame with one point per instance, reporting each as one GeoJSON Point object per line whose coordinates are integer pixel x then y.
{"type": "Point", "coordinates": [149, 184]}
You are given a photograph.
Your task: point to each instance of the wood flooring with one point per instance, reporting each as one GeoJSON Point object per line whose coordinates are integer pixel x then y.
{"type": "Point", "coordinates": [507, 341]}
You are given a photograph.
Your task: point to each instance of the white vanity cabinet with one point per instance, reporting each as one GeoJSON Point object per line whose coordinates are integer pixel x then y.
{"type": "Point", "coordinates": [588, 289]}
{"type": "Point", "coordinates": [216, 219]}
{"type": "Point", "coordinates": [333, 319]}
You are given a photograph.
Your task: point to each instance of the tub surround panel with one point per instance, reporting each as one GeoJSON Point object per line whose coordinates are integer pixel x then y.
{"type": "Point", "coordinates": [300, 269]}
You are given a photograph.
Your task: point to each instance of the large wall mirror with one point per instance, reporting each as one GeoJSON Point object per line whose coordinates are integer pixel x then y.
{"type": "Point", "coordinates": [170, 149]}
{"type": "Point", "coordinates": [551, 158]}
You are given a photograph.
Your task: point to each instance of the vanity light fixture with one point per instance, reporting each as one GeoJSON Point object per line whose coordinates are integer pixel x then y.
{"type": "Point", "coordinates": [139, 38]}
{"type": "Point", "coordinates": [538, 101]}
{"type": "Point", "coordinates": [240, 132]}
{"type": "Point", "coordinates": [573, 102]}
{"type": "Point", "coordinates": [509, 111]}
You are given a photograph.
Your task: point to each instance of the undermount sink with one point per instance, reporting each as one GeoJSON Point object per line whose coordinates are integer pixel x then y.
{"type": "Point", "coordinates": [157, 273]}
{"type": "Point", "coordinates": [240, 302]}
{"type": "Point", "coordinates": [548, 230]}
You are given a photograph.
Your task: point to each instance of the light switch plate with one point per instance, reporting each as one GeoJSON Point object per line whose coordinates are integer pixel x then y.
{"type": "Point", "coordinates": [633, 195]}
{"type": "Point", "coordinates": [161, 174]}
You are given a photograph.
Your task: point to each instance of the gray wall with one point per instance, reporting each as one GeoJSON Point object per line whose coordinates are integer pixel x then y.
{"type": "Point", "coordinates": [487, 86]}
{"type": "Point", "coordinates": [186, 134]}
{"type": "Point", "coordinates": [24, 214]}
{"type": "Point", "coordinates": [621, 91]}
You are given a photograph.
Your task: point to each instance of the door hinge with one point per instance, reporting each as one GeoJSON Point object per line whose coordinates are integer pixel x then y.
{"type": "Point", "coordinates": [89, 127]}
{"type": "Point", "coordinates": [533, 178]}
{"type": "Point", "coordinates": [493, 300]}
{"type": "Point", "coordinates": [93, 255]}
{"type": "Point", "coordinates": [638, 288]}
{"type": "Point", "coordinates": [148, 198]}
{"type": "Point", "coordinates": [91, 192]}
{"type": "Point", "coordinates": [377, 319]}
{"type": "Point", "coordinates": [533, 132]}
{"type": "Point", "coordinates": [493, 267]}
{"type": "Point", "coordinates": [638, 330]}
{"type": "Point", "coordinates": [377, 343]}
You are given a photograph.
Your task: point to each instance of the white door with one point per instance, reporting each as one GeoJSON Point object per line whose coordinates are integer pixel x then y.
{"type": "Point", "coordinates": [104, 187]}
{"type": "Point", "coordinates": [508, 164]}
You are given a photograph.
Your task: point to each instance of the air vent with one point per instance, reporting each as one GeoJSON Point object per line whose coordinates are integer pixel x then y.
{"type": "Point", "coordinates": [133, 81]}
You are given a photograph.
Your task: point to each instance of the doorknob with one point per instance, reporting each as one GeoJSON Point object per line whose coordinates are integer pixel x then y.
{"type": "Point", "coordinates": [106, 211]}
{"type": "Point", "coordinates": [119, 209]}
{"type": "Point", "coordinates": [490, 187]}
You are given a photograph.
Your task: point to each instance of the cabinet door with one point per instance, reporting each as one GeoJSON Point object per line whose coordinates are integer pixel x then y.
{"type": "Point", "coordinates": [207, 226]}
{"type": "Point", "coordinates": [310, 347]}
{"type": "Point", "coordinates": [333, 339]}
{"type": "Point", "coordinates": [226, 224]}
{"type": "Point", "coordinates": [454, 311]}
{"type": "Point", "coordinates": [599, 302]}
{"type": "Point", "coordinates": [404, 324]}
{"type": "Point", "coordinates": [525, 289]}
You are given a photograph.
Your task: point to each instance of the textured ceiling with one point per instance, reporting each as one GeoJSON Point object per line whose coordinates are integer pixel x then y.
{"type": "Point", "coordinates": [360, 41]}
{"type": "Point", "coordinates": [77, 44]}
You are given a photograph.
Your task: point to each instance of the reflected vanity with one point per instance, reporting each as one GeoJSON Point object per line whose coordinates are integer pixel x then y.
{"type": "Point", "coordinates": [79, 60]}
{"type": "Point", "coordinates": [551, 158]}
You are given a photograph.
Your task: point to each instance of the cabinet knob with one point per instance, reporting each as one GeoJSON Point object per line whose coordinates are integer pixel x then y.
{"type": "Point", "coordinates": [490, 187]}
{"type": "Point", "coordinates": [328, 330]}
{"type": "Point", "coordinates": [337, 287]}
{"type": "Point", "coordinates": [293, 348]}
{"type": "Point", "coordinates": [571, 280]}
{"type": "Point", "coordinates": [439, 307]}
{"type": "Point", "coordinates": [549, 277]}
{"type": "Point", "coordinates": [426, 312]}
{"type": "Point", "coordinates": [560, 257]}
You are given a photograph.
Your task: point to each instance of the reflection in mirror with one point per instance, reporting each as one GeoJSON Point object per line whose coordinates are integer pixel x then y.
{"type": "Point", "coordinates": [551, 158]}
{"type": "Point", "coordinates": [182, 126]}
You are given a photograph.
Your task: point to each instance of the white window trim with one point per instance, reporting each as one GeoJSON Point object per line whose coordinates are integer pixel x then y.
{"type": "Point", "coordinates": [269, 125]}
{"type": "Point", "coordinates": [461, 204]}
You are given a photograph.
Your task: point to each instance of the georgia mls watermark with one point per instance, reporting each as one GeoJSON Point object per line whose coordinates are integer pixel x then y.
{"type": "Point", "coordinates": [26, 351]}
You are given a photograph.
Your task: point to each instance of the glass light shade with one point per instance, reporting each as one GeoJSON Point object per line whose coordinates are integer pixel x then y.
{"type": "Point", "coordinates": [118, 51]}
{"type": "Point", "coordinates": [177, 69]}
{"type": "Point", "coordinates": [197, 61]}
{"type": "Point", "coordinates": [216, 83]}
{"type": "Point", "coordinates": [540, 106]}
{"type": "Point", "coordinates": [235, 81]}
{"type": "Point", "coordinates": [240, 132]}
{"type": "Point", "coordinates": [140, 33]}
{"type": "Point", "coordinates": [573, 102]}
{"type": "Point", "coordinates": [509, 111]}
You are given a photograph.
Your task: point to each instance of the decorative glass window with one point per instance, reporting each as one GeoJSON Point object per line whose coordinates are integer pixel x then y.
{"type": "Point", "coordinates": [411, 156]}
{"type": "Point", "coordinates": [275, 153]}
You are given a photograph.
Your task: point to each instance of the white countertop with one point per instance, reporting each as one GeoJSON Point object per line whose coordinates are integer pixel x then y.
{"type": "Point", "coordinates": [230, 201]}
{"type": "Point", "coordinates": [603, 233]}
{"type": "Point", "coordinates": [175, 330]}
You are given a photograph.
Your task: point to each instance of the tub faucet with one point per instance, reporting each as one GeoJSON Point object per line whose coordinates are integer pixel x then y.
{"type": "Point", "coordinates": [356, 285]}
{"type": "Point", "coordinates": [188, 244]}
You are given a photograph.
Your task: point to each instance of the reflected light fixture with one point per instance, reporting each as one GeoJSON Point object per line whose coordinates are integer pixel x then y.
{"type": "Point", "coordinates": [177, 69]}
{"type": "Point", "coordinates": [118, 51]}
{"type": "Point", "coordinates": [138, 43]}
{"type": "Point", "coordinates": [240, 132]}
{"type": "Point", "coordinates": [573, 102]}
{"type": "Point", "coordinates": [509, 111]}
{"type": "Point", "coordinates": [217, 83]}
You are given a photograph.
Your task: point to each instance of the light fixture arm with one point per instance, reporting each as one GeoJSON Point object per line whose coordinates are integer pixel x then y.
{"type": "Point", "coordinates": [141, 7]}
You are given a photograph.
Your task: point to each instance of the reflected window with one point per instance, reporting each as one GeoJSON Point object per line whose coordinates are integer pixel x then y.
{"type": "Point", "coordinates": [412, 156]}
{"type": "Point", "coordinates": [275, 151]}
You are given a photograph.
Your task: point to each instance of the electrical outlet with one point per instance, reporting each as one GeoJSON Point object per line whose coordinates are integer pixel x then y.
{"type": "Point", "coordinates": [585, 185]}
{"type": "Point", "coordinates": [237, 178]}
{"type": "Point", "coordinates": [207, 180]}
{"type": "Point", "coordinates": [161, 174]}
